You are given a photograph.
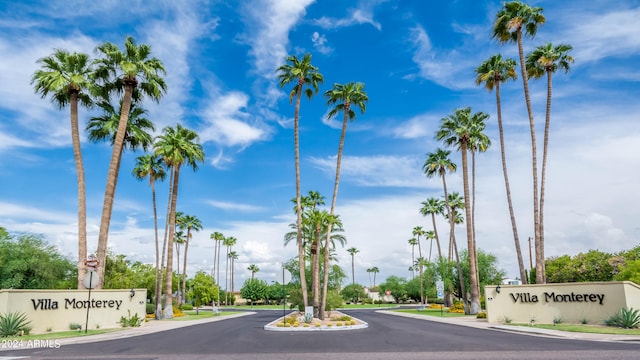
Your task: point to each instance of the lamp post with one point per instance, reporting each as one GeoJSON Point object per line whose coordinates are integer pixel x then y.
{"type": "Point", "coordinates": [284, 297]}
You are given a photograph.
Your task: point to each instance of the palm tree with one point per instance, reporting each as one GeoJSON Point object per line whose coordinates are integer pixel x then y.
{"type": "Point", "coordinates": [418, 231]}
{"type": "Point", "coordinates": [151, 166]}
{"type": "Point", "coordinates": [430, 235]}
{"type": "Point", "coordinates": [353, 251]}
{"type": "Point", "coordinates": [439, 163]}
{"type": "Point", "coordinates": [508, 27]}
{"type": "Point", "coordinates": [218, 237]}
{"type": "Point", "coordinates": [177, 147]}
{"type": "Point", "coordinates": [178, 240]}
{"type": "Point", "coordinates": [546, 59]}
{"type": "Point", "coordinates": [455, 202]}
{"type": "Point", "coordinates": [433, 207]}
{"type": "Point", "coordinates": [413, 242]}
{"type": "Point", "coordinates": [302, 73]}
{"type": "Point", "coordinates": [233, 256]}
{"type": "Point", "coordinates": [66, 77]}
{"type": "Point", "coordinates": [492, 73]}
{"type": "Point", "coordinates": [374, 270]}
{"type": "Point", "coordinates": [190, 223]}
{"type": "Point", "coordinates": [136, 74]}
{"type": "Point", "coordinates": [228, 242]}
{"type": "Point", "coordinates": [458, 130]}
{"type": "Point", "coordinates": [254, 269]}
{"type": "Point", "coordinates": [344, 98]}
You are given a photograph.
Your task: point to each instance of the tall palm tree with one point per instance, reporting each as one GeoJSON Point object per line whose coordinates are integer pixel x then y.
{"type": "Point", "coordinates": [66, 76]}
{"type": "Point", "coordinates": [353, 251]}
{"type": "Point", "coordinates": [233, 256]}
{"type": "Point", "coordinates": [439, 163]}
{"type": "Point", "coordinates": [413, 242]}
{"type": "Point", "coordinates": [177, 147]}
{"type": "Point", "coordinates": [303, 74]}
{"type": "Point", "coordinates": [417, 232]}
{"type": "Point", "coordinates": [151, 166]}
{"type": "Point", "coordinates": [492, 72]}
{"type": "Point", "coordinates": [374, 270]}
{"type": "Point", "coordinates": [510, 22]}
{"type": "Point", "coordinates": [345, 98]}
{"type": "Point", "coordinates": [546, 59]}
{"type": "Point", "coordinates": [136, 74]}
{"type": "Point", "coordinates": [433, 207]}
{"type": "Point", "coordinates": [430, 235]}
{"type": "Point", "coordinates": [191, 223]}
{"type": "Point", "coordinates": [455, 202]}
{"type": "Point", "coordinates": [217, 237]}
{"type": "Point", "coordinates": [458, 130]}
{"type": "Point", "coordinates": [178, 241]}
{"type": "Point", "coordinates": [229, 242]}
{"type": "Point", "coordinates": [254, 269]}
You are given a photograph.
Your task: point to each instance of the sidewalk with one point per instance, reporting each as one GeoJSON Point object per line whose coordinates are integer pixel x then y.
{"type": "Point", "coordinates": [471, 321]}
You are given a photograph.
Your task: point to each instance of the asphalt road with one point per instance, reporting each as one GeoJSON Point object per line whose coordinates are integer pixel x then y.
{"type": "Point", "coordinates": [388, 337]}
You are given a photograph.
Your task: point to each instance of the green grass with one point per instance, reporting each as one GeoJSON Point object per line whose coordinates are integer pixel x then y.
{"type": "Point", "coordinates": [432, 312]}
{"type": "Point", "coordinates": [592, 329]}
{"type": "Point", "coordinates": [367, 306]}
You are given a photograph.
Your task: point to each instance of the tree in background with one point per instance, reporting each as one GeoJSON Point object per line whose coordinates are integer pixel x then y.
{"type": "Point", "coordinates": [67, 77]}
{"type": "Point", "coordinates": [202, 289]}
{"type": "Point", "coordinates": [413, 242]}
{"type": "Point", "coordinates": [397, 286]}
{"type": "Point", "coordinates": [254, 269]}
{"type": "Point", "coordinates": [151, 166]}
{"type": "Point", "coordinates": [190, 223]}
{"type": "Point", "coordinates": [302, 73]}
{"type": "Point", "coordinates": [353, 251]}
{"type": "Point", "coordinates": [433, 207]}
{"type": "Point", "coordinates": [353, 293]}
{"type": "Point", "coordinates": [27, 261]}
{"type": "Point", "coordinates": [134, 73]}
{"type": "Point", "coordinates": [229, 242]}
{"type": "Point", "coordinates": [218, 238]}
{"type": "Point", "coordinates": [254, 289]}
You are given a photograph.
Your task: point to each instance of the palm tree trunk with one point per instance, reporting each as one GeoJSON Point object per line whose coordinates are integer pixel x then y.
{"type": "Point", "coordinates": [473, 213]}
{"type": "Point", "coordinates": [332, 212]}
{"type": "Point", "coordinates": [452, 223]}
{"type": "Point", "coordinates": [413, 262]}
{"type": "Point", "coordinates": [218, 270]}
{"type": "Point", "coordinates": [168, 300]}
{"type": "Point", "coordinates": [435, 231]}
{"type": "Point", "coordinates": [463, 289]}
{"type": "Point", "coordinates": [420, 272]}
{"type": "Point", "coordinates": [534, 161]}
{"type": "Point", "coordinates": [112, 178]}
{"type": "Point", "coordinates": [315, 271]}
{"type": "Point", "coordinates": [156, 296]}
{"type": "Point", "coordinates": [178, 272]}
{"type": "Point", "coordinates": [184, 265]}
{"type": "Point", "coordinates": [353, 271]}
{"type": "Point", "coordinates": [543, 176]}
{"type": "Point", "coordinates": [296, 140]}
{"type": "Point", "coordinates": [523, 273]}
{"type": "Point", "coordinates": [159, 290]}
{"type": "Point", "coordinates": [473, 271]}
{"type": "Point", "coordinates": [82, 193]}
{"type": "Point", "coordinates": [226, 278]}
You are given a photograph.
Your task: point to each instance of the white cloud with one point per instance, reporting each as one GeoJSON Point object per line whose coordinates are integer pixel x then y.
{"type": "Point", "coordinates": [382, 170]}
{"type": "Point", "coordinates": [319, 42]}
{"type": "Point", "coordinates": [362, 14]}
{"type": "Point", "coordinates": [233, 206]}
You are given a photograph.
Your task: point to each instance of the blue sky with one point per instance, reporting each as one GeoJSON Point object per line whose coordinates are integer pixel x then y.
{"type": "Point", "coordinates": [417, 60]}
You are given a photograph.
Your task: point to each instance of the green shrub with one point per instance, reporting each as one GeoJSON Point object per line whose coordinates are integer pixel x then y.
{"type": "Point", "coordinates": [132, 321]}
{"type": "Point", "coordinates": [150, 309]}
{"type": "Point", "coordinates": [481, 315]}
{"type": "Point", "coordinates": [627, 318]}
{"type": "Point", "coordinates": [14, 323]}
{"type": "Point", "coordinates": [186, 307]}
{"type": "Point", "coordinates": [74, 326]}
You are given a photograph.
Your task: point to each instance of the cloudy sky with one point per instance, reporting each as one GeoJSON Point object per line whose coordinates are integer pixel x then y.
{"type": "Point", "coordinates": [417, 59]}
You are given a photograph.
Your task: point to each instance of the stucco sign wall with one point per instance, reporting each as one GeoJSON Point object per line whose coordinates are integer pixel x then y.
{"type": "Point", "coordinates": [569, 302]}
{"type": "Point", "coordinates": [56, 310]}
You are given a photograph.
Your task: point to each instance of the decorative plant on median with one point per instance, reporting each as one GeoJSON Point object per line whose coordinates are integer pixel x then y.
{"type": "Point", "coordinates": [626, 318]}
{"type": "Point", "coordinates": [14, 323]}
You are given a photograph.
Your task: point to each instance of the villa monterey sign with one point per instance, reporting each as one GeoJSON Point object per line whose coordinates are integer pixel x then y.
{"type": "Point", "coordinates": [49, 304]}
{"type": "Point", "coordinates": [525, 297]}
